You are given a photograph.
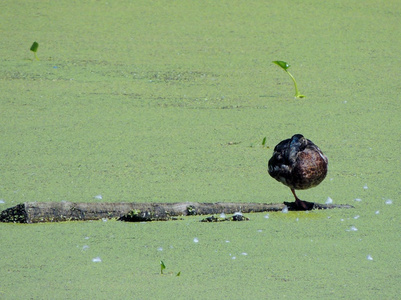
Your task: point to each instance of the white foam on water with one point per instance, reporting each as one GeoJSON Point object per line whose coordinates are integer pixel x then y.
{"type": "Point", "coordinates": [352, 228]}
{"type": "Point", "coordinates": [389, 201]}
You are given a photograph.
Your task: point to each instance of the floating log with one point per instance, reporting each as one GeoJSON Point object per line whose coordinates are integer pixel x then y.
{"type": "Point", "coordinates": [36, 212]}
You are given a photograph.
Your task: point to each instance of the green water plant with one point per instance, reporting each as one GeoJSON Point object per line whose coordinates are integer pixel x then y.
{"type": "Point", "coordinates": [285, 66]}
{"type": "Point", "coordinates": [162, 267]}
{"type": "Point", "coordinates": [264, 143]}
{"type": "Point", "coordinates": [34, 49]}
{"type": "Point", "coordinates": [258, 144]}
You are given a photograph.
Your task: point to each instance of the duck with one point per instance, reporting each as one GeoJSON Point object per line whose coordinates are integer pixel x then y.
{"type": "Point", "coordinates": [299, 164]}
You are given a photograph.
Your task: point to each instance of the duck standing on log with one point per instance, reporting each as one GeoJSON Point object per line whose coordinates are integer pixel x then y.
{"type": "Point", "coordinates": [299, 164]}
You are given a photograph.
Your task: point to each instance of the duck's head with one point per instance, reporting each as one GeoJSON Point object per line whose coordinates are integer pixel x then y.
{"type": "Point", "coordinates": [298, 140]}
{"type": "Point", "coordinates": [296, 144]}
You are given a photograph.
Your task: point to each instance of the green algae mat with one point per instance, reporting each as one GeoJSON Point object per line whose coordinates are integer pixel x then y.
{"type": "Point", "coordinates": [169, 101]}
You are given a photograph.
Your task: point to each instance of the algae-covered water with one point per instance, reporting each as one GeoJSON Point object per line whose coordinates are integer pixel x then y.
{"type": "Point", "coordinates": [169, 101]}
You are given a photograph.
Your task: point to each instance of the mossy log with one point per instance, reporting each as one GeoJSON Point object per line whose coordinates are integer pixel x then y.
{"type": "Point", "coordinates": [36, 212]}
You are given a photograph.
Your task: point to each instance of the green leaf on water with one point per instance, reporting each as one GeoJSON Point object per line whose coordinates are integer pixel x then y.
{"type": "Point", "coordinates": [264, 141]}
{"type": "Point", "coordinates": [282, 64]}
{"type": "Point", "coordinates": [162, 267]}
{"type": "Point", "coordinates": [34, 49]}
{"type": "Point", "coordinates": [179, 273]}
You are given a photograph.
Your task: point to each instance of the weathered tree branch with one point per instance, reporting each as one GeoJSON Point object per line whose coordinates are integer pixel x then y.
{"type": "Point", "coordinates": [35, 212]}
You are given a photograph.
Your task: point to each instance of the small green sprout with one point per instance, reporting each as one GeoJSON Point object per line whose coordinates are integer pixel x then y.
{"type": "Point", "coordinates": [264, 142]}
{"type": "Point", "coordinates": [162, 267]}
{"type": "Point", "coordinates": [284, 65]}
{"type": "Point", "coordinates": [34, 49]}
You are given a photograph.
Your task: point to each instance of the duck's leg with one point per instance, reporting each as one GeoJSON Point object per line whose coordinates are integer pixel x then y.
{"type": "Point", "coordinates": [302, 205]}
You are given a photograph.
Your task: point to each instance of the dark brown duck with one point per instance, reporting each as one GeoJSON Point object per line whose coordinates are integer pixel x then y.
{"type": "Point", "coordinates": [299, 164]}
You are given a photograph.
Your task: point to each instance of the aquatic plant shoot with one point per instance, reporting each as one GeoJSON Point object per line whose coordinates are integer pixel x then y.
{"type": "Point", "coordinates": [34, 49]}
{"type": "Point", "coordinates": [264, 142]}
{"type": "Point", "coordinates": [285, 66]}
{"type": "Point", "coordinates": [162, 267]}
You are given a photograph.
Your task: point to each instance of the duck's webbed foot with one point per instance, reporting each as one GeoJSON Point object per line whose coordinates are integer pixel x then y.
{"type": "Point", "coordinates": [300, 205]}
{"type": "Point", "coordinates": [304, 205]}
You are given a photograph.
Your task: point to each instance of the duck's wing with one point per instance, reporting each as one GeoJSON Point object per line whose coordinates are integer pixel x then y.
{"type": "Point", "coordinates": [279, 163]}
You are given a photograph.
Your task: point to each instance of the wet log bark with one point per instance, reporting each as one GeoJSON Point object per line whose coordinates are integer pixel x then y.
{"type": "Point", "coordinates": [35, 212]}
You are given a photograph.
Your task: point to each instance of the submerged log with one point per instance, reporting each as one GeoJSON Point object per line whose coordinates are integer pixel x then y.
{"type": "Point", "coordinates": [36, 212]}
